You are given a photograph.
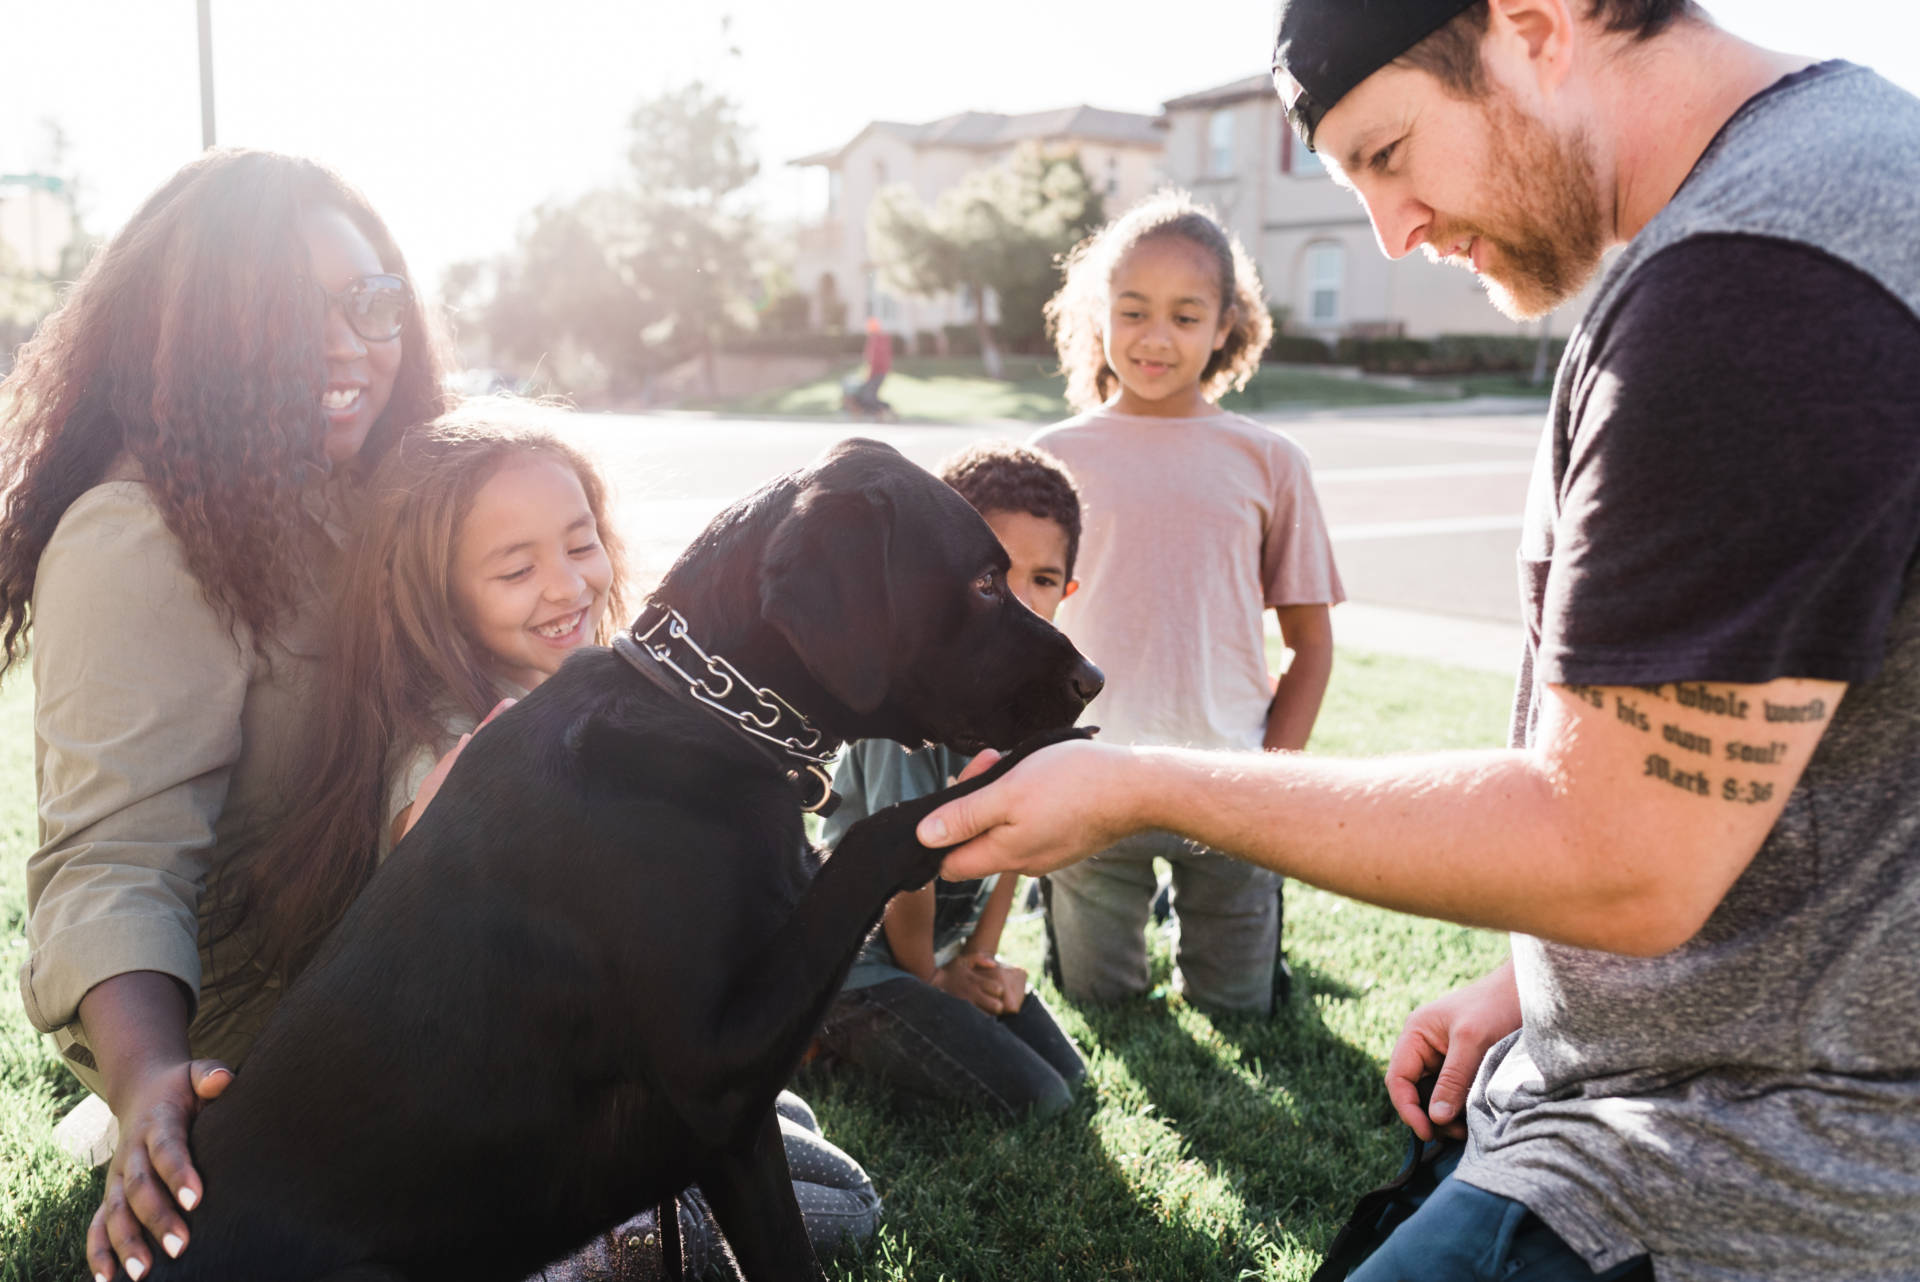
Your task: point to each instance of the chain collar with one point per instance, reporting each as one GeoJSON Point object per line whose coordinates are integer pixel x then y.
{"type": "Point", "coordinates": [657, 644]}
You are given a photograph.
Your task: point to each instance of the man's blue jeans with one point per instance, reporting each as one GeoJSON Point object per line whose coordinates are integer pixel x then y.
{"type": "Point", "coordinates": [1465, 1234]}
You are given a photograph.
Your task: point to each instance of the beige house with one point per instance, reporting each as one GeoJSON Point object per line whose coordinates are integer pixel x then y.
{"type": "Point", "coordinates": [1119, 150]}
{"type": "Point", "coordinates": [1231, 147]}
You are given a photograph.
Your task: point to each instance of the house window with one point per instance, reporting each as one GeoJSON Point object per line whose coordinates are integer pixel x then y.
{"type": "Point", "coordinates": [1113, 174]}
{"type": "Point", "coordinates": [1326, 273]}
{"type": "Point", "coordinates": [1307, 163]}
{"type": "Point", "coordinates": [833, 193]}
{"type": "Point", "coordinates": [1220, 143]}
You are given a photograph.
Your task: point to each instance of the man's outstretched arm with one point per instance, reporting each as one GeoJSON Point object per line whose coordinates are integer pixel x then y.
{"type": "Point", "coordinates": [1621, 829]}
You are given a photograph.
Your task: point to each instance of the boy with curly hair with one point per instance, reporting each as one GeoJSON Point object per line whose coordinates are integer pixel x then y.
{"type": "Point", "coordinates": [928, 1007]}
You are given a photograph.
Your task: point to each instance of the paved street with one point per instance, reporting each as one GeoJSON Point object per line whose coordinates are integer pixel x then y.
{"type": "Point", "coordinates": [1425, 509]}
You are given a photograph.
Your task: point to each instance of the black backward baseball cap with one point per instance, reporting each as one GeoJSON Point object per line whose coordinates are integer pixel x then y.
{"type": "Point", "coordinates": [1323, 48]}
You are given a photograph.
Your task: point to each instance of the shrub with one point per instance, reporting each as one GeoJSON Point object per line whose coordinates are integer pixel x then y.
{"type": "Point", "coordinates": [812, 343]}
{"type": "Point", "coordinates": [1386, 355]}
{"type": "Point", "coordinates": [785, 314]}
{"type": "Point", "coordinates": [963, 340]}
{"type": "Point", "coordinates": [1491, 353]}
{"type": "Point", "coordinates": [1447, 354]}
{"type": "Point", "coordinates": [1298, 349]}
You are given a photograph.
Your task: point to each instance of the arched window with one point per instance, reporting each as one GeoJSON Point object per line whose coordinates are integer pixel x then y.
{"type": "Point", "coordinates": [1326, 276]}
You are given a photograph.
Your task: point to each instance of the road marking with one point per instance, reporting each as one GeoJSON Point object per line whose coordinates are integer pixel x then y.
{"type": "Point", "coordinates": [1367, 531]}
{"type": "Point", "coordinates": [1424, 471]}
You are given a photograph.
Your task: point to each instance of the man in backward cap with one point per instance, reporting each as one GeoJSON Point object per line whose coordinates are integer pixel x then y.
{"type": "Point", "coordinates": [1702, 1059]}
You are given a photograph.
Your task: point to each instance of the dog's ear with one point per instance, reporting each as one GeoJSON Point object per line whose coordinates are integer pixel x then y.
{"type": "Point", "coordinates": [825, 585]}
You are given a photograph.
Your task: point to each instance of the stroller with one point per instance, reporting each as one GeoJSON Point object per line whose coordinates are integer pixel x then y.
{"type": "Point", "coordinates": [861, 399]}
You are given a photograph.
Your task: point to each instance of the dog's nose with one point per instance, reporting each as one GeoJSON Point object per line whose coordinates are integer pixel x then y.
{"type": "Point", "coordinates": [1087, 681]}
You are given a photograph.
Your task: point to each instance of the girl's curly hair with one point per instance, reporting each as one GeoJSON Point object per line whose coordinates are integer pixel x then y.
{"type": "Point", "coordinates": [397, 642]}
{"type": "Point", "coordinates": [1077, 314]}
{"type": "Point", "coordinates": [194, 344]}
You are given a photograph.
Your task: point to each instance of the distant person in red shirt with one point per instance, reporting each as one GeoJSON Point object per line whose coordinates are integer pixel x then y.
{"type": "Point", "coordinates": [879, 363]}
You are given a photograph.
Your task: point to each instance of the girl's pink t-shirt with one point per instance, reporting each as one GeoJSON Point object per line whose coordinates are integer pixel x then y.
{"type": "Point", "coordinates": [1192, 528]}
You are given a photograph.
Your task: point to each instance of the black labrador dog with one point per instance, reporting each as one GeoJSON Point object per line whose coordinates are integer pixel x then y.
{"type": "Point", "coordinates": [578, 984]}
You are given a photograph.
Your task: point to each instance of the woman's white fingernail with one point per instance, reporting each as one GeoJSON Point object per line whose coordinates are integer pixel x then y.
{"type": "Point", "coordinates": [99, 1277]}
{"type": "Point", "coordinates": [136, 1270]}
{"type": "Point", "coordinates": [173, 1244]}
{"type": "Point", "coordinates": [189, 1199]}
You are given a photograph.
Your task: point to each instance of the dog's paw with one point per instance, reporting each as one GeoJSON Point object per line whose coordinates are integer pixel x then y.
{"type": "Point", "coordinates": [892, 829]}
{"type": "Point", "coordinates": [1018, 753]}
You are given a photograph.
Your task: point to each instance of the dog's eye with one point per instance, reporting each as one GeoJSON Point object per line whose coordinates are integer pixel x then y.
{"type": "Point", "coordinates": [988, 584]}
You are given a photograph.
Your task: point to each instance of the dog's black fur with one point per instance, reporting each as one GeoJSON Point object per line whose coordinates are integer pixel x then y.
{"type": "Point", "coordinates": [578, 984]}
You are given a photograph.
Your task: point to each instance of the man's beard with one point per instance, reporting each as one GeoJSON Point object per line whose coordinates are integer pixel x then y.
{"type": "Point", "coordinates": [1547, 240]}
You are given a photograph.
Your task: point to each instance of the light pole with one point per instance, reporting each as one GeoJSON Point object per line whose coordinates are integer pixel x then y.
{"type": "Point", "coordinates": [206, 73]}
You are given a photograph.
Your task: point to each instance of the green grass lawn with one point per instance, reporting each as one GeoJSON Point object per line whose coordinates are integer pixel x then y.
{"type": "Point", "coordinates": [957, 390]}
{"type": "Point", "coordinates": [1201, 1148]}
{"type": "Point", "coordinates": [45, 1199]}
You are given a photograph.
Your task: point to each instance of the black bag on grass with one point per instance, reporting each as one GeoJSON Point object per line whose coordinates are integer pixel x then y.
{"type": "Point", "coordinates": [1377, 1214]}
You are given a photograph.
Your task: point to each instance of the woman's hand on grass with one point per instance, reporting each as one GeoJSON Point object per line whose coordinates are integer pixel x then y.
{"type": "Point", "coordinates": [151, 1177]}
{"type": "Point", "coordinates": [1451, 1034]}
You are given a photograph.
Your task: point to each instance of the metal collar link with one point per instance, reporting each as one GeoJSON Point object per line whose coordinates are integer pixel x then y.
{"type": "Point", "coordinates": [660, 634]}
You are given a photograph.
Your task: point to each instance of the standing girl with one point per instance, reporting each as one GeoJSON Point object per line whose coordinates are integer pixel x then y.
{"type": "Point", "coordinates": [182, 447]}
{"type": "Point", "coordinates": [484, 559]}
{"type": "Point", "coordinates": [1196, 521]}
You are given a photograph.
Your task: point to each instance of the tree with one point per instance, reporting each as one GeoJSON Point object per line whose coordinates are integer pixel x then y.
{"type": "Point", "coordinates": [690, 255]}
{"type": "Point", "coordinates": [567, 284]}
{"type": "Point", "coordinates": [28, 292]}
{"type": "Point", "coordinates": [1000, 230]}
{"type": "Point", "coordinates": [641, 275]}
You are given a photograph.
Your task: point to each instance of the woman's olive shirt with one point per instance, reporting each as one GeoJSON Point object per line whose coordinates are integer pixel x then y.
{"type": "Point", "coordinates": [159, 733]}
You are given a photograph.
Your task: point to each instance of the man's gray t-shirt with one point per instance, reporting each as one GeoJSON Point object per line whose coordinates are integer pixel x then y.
{"type": "Point", "coordinates": [1729, 491]}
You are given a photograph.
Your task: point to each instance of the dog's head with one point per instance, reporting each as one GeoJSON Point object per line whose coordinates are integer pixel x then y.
{"type": "Point", "coordinates": [891, 591]}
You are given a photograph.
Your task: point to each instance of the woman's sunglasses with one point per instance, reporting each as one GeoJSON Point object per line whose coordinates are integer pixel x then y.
{"type": "Point", "coordinates": [375, 306]}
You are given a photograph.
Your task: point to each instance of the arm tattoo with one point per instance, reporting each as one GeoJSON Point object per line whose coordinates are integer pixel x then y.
{"type": "Point", "coordinates": [1719, 702]}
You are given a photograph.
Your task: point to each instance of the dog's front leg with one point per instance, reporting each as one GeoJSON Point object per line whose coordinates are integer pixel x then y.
{"type": "Point", "coordinates": [779, 996]}
{"type": "Point", "coordinates": [751, 1193]}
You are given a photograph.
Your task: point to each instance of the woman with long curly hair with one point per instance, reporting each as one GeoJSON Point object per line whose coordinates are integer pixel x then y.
{"type": "Point", "coordinates": [181, 448]}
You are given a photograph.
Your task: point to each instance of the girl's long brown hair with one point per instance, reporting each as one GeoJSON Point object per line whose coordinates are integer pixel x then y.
{"type": "Point", "coordinates": [194, 343]}
{"type": "Point", "coordinates": [398, 661]}
{"type": "Point", "coordinates": [1077, 314]}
